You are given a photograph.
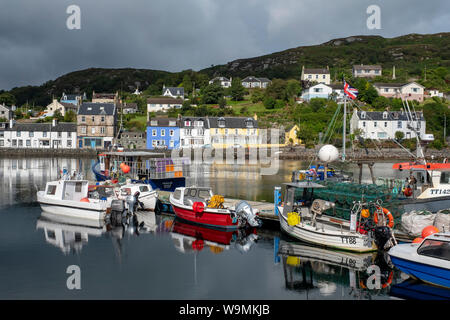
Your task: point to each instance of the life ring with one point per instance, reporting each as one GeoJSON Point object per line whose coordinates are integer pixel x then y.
{"type": "Point", "coordinates": [198, 207]}
{"type": "Point", "coordinates": [388, 214]}
{"type": "Point", "coordinates": [389, 280]}
{"type": "Point", "coordinates": [408, 192]}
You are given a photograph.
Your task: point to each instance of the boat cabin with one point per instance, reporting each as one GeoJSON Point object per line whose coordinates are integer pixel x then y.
{"type": "Point", "coordinates": [189, 195]}
{"type": "Point", "coordinates": [73, 190]}
{"type": "Point", "coordinates": [436, 246]}
{"type": "Point", "coordinates": [299, 194]}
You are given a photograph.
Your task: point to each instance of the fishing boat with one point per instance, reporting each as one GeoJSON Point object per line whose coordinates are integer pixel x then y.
{"type": "Point", "coordinates": [72, 198]}
{"type": "Point", "coordinates": [428, 261]}
{"type": "Point", "coordinates": [302, 217]}
{"type": "Point", "coordinates": [144, 193]}
{"type": "Point", "coordinates": [201, 206]}
{"type": "Point", "coordinates": [149, 167]}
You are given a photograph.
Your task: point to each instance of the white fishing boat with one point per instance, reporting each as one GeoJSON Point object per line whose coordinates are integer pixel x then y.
{"type": "Point", "coordinates": [72, 198]}
{"type": "Point", "coordinates": [146, 196]}
{"type": "Point", "coordinates": [428, 261]}
{"type": "Point", "coordinates": [302, 218]}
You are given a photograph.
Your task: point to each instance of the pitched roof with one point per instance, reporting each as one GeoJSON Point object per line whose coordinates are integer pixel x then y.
{"type": "Point", "coordinates": [192, 119]}
{"type": "Point", "coordinates": [391, 116]}
{"type": "Point", "coordinates": [232, 122]}
{"type": "Point", "coordinates": [174, 91]}
{"type": "Point", "coordinates": [164, 100]}
{"type": "Point", "coordinates": [163, 122]}
{"type": "Point", "coordinates": [103, 95]}
{"type": "Point", "coordinates": [89, 108]}
{"type": "Point", "coordinates": [394, 85]}
{"type": "Point", "coordinates": [361, 67]}
{"type": "Point", "coordinates": [220, 79]}
{"type": "Point", "coordinates": [316, 71]}
{"type": "Point", "coordinates": [60, 127]}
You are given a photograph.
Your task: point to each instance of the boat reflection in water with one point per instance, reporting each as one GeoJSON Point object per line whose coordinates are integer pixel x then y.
{"type": "Point", "coordinates": [318, 272]}
{"type": "Point", "coordinates": [70, 234]}
{"type": "Point", "coordinates": [417, 290]}
{"type": "Point", "coordinates": [194, 238]}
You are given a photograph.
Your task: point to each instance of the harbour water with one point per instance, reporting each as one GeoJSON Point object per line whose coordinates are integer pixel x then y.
{"type": "Point", "coordinates": [168, 259]}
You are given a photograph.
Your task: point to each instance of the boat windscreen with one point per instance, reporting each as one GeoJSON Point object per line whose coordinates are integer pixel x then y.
{"type": "Point", "coordinates": [435, 248]}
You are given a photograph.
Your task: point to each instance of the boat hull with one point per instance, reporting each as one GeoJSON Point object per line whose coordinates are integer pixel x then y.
{"type": "Point", "coordinates": [149, 201]}
{"type": "Point", "coordinates": [209, 217]}
{"type": "Point", "coordinates": [424, 272]}
{"type": "Point", "coordinates": [333, 239]}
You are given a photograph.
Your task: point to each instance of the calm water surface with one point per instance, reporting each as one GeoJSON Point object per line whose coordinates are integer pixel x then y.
{"type": "Point", "coordinates": [168, 259]}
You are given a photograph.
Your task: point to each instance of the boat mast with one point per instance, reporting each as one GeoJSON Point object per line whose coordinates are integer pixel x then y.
{"type": "Point", "coordinates": [344, 127]}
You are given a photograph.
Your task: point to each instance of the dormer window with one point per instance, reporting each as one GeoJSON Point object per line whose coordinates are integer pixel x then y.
{"type": "Point", "coordinates": [187, 123]}
{"type": "Point", "coordinates": [172, 123]}
{"type": "Point", "coordinates": [199, 123]}
{"type": "Point", "coordinates": [221, 122]}
{"type": "Point", "coordinates": [249, 123]}
{"type": "Point", "coordinates": [153, 123]}
{"type": "Point", "coordinates": [385, 115]}
{"type": "Point", "coordinates": [363, 115]}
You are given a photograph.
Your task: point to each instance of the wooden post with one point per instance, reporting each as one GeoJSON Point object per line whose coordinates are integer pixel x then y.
{"type": "Point", "coordinates": [360, 171]}
{"type": "Point", "coordinates": [371, 172]}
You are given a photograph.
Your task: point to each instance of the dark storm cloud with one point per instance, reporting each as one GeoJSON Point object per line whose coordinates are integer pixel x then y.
{"type": "Point", "coordinates": [173, 35]}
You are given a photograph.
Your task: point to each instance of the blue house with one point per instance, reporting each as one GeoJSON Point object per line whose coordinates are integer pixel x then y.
{"type": "Point", "coordinates": [163, 133]}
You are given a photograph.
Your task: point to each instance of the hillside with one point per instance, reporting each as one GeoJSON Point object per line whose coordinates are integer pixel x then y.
{"type": "Point", "coordinates": [410, 54]}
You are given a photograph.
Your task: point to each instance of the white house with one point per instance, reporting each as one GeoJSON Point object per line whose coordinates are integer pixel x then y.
{"type": "Point", "coordinates": [162, 104]}
{"type": "Point", "coordinates": [38, 135]}
{"type": "Point", "coordinates": [318, 91]}
{"type": "Point", "coordinates": [173, 92]}
{"type": "Point", "coordinates": [383, 125]}
{"type": "Point", "coordinates": [224, 82]}
{"type": "Point", "coordinates": [407, 91]}
{"type": "Point", "coordinates": [6, 112]}
{"type": "Point", "coordinates": [365, 71]}
{"type": "Point", "coordinates": [432, 92]}
{"type": "Point", "coordinates": [253, 82]}
{"type": "Point", "coordinates": [316, 75]}
{"type": "Point", "coordinates": [194, 132]}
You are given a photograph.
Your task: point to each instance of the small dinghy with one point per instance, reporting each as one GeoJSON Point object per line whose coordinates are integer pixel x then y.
{"type": "Point", "coordinates": [301, 216]}
{"type": "Point", "coordinates": [200, 205]}
{"type": "Point", "coordinates": [143, 192]}
{"type": "Point", "coordinates": [428, 261]}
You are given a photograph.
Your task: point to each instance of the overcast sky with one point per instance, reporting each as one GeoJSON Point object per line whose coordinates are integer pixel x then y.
{"type": "Point", "coordinates": [174, 35]}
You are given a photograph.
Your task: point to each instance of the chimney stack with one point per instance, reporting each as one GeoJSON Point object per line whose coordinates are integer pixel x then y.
{"type": "Point", "coordinates": [54, 123]}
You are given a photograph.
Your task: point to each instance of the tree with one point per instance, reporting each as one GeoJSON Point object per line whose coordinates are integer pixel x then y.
{"type": "Point", "coordinates": [257, 95]}
{"type": "Point", "coordinates": [70, 116]}
{"type": "Point", "coordinates": [222, 103]}
{"type": "Point", "coordinates": [237, 91]}
{"type": "Point", "coordinates": [293, 88]}
{"type": "Point", "coordinates": [277, 90]}
{"type": "Point", "coordinates": [187, 84]}
{"type": "Point", "coordinates": [212, 93]}
{"type": "Point", "coordinates": [399, 135]}
{"type": "Point", "coordinates": [7, 98]}
{"type": "Point", "coordinates": [269, 102]}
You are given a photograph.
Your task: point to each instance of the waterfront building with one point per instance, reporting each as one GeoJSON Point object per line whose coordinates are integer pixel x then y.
{"type": "Point", "coordinates": [128, 108]}
{"type": "Point", "coordinates": [384, 124]}
{"type": "Point", "coordinates": [291, 133]}
{"type": "Point", "coordinates": [162, 104]}
{"type": "Point", "coordinates": [319, 75]}
{"type": "Point", "coordinates": [253, 82]}
{"type": "Point", "coordinates": [366, 71]}
{"type": "Point", "coordinates": [433, 92]}
{"type": "Point", "coordinates": [237, 132]}
{"type": "Point", "coordinates": [406, 91]}
{"type": "Point", "coordinates": [194, 132]}
{"type": "Point", "coordinates": [163, 133]}
{"type": "Point", "coordinates": [38, 135]}
{"type": "Point", "coordinates": [133, 140]}
{"type": "Point", "coordinates": [96, 125]}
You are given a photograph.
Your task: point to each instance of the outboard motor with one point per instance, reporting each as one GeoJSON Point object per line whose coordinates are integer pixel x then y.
{"type": "Point", "coordinates": [244, 210]}
{"type": "Point", "coordinates": [246, 243]}
{"type": "Point", "coordinates": [118, 212]}
{"type": "Point", "coordinates": [382, 235]}
{"type": "Point", "coordinates": [131, 204]}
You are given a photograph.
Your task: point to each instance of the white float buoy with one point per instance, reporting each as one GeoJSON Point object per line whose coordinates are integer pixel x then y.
{"type": "Point", "coordinates": [328, 153]}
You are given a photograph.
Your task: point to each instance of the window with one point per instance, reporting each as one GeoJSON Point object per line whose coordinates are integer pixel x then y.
{"type": "Point", "coordinates": [382, 135]}
{"type": "Point", "coordinates": [59, 134]}
{"type": "Point", "coordinates": [31, 134]}
{"type": "Point", "coordinates": [399, 124]}
{"type": "Point", "coordinates": [201, 132]}
{"type": "Point", "coordinates": [83, 119]}
{"type": "Point", "coordinates": [187, 123]}
{"type": "Point", "coordinates": [45, 143]}
{"type": "Point", "coordinates": [2, 143]}
{"type": "Point", "coordinates": [364, 124]}
{"type": "Point", "coordinates": [309, 76]}
{"type": "Point", "coordinates": [435, 248]}
{"type": "Point", "coordinates": [153, 123]}
{"type": "Point", "coordinates": [69, 143]}
{"type": "Point", "coordinates": [51, 190]}
{"type": "Point", "coordinates": [2, 134]}
{"type": "Point", "coordinates": [363, 115]}
{"type": "Point", "coordinates": [375, 124]}
{"type": "Point", "coordinates": [386, 89]}
{"type": "Point", "coordinates": [93, 119]}
{"type": "Point", "coordinates": [69, 134]}
{"type": "Point", "coordinates": [221, 123]}
{"type": "Point", "coordinates": [235, 131]}
{"type": "Point", "coordinates": [143, 189]}
{"type": "Point", "coordinates": [44, 134]}
{"type": "Point", "coordinates": [199, 123]}
{"type": "Point", "coordinates": [83, 130]}
{"type": "Point", "coordinates": [385, 124]}
{"type": "Point", "coordinates": [163, 132]}
{"type": "Point", "coordinates": [103, 119]}
{"type": "Point", "coordinates": [385, 115]}
{"type": "Point", "coordinates": [93, 130]}
{"type": "Point", "coordinates": [154, 133]}
{"type": "Point", "coordinates": [78, 186]}
{"type": "Point", "coordinates": [415, 89]}
{"type": "Point", "coordinates": [226, 131]}
{"type": "Point", "coordinates": [102, 130]}
{"type": "Point", "coordinates": [188, 132]}
{"type": "Point", "coordinates": [217, 131]}
{"type": "Point", "coordinates": [14, 143]}
{"type": "Point", "coordinates": [172, 143]}
{"type": "Point", "coordinates": [171, 133]}
{"type": "Point", "coordinates": [177, 194]}
{"type": "Point", "coordinates": [28, 143]}
{"type": "Point", "coordinates": [172, 123]}
{"type": "Point", "coordinates": [18, 133]}
{"type": "Point", "coordinates": [20, 143]}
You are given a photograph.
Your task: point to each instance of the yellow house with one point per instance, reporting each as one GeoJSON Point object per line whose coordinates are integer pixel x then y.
{"type": "Point", "coordinates": [233, 131]}
{"type": "Point", "coordinates": [292, 134]}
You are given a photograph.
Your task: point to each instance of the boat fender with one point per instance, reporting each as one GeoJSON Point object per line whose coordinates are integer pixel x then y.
{"type": "Point", "coordinates": [84, 200]}
{"type": "Point", "coordinates": [198, 207]}
{"type": "Point", "coordinates": [387, 213]}
{"type": "Point", "coordinates": [293, 218]}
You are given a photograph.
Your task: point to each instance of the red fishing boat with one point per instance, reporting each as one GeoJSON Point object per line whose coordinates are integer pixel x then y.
{"type": "Point", "coordinates": [199, 205]}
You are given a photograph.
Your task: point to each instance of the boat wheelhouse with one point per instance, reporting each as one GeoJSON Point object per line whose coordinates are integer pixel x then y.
{"type": "Point", "coordinates": [428, 261]}
{"type": "Point", "coordinates": [149, 167]}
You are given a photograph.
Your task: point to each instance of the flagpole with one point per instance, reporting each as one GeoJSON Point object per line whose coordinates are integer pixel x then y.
{"type": "Point", "coordinates": [345, 125]}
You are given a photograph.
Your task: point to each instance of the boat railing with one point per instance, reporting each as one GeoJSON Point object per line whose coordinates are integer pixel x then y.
{"type": "Point", "coordinates": [154, 168]}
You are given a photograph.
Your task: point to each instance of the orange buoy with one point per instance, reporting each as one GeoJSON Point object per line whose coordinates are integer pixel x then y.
{"type": "Point", "coordinates": [388, 214]}
{"type": "Point", "coordinates": [126, 168]}
{"type": "Point", "coordinates": [428, 231]}
{"type": "Point", "coordinates": [121, 165]}
{"type": "Point", "coordinates": [365, 213]}
{"type": "Point", "coordinates": [417, 240]}
{"type": "Point", "coordinates": [408, 192]}
{"type": "Point", "coordinates": [84, 200]}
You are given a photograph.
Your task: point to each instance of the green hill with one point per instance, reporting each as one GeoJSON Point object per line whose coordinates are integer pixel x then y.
{"type": "Point", "coordinates": [410, 54]}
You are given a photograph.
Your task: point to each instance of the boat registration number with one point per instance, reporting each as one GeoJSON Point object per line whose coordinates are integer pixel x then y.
{"type": "Point", "coordinates": [440, 191]}
{"type": "Point", "coordinates": [348, 239]}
